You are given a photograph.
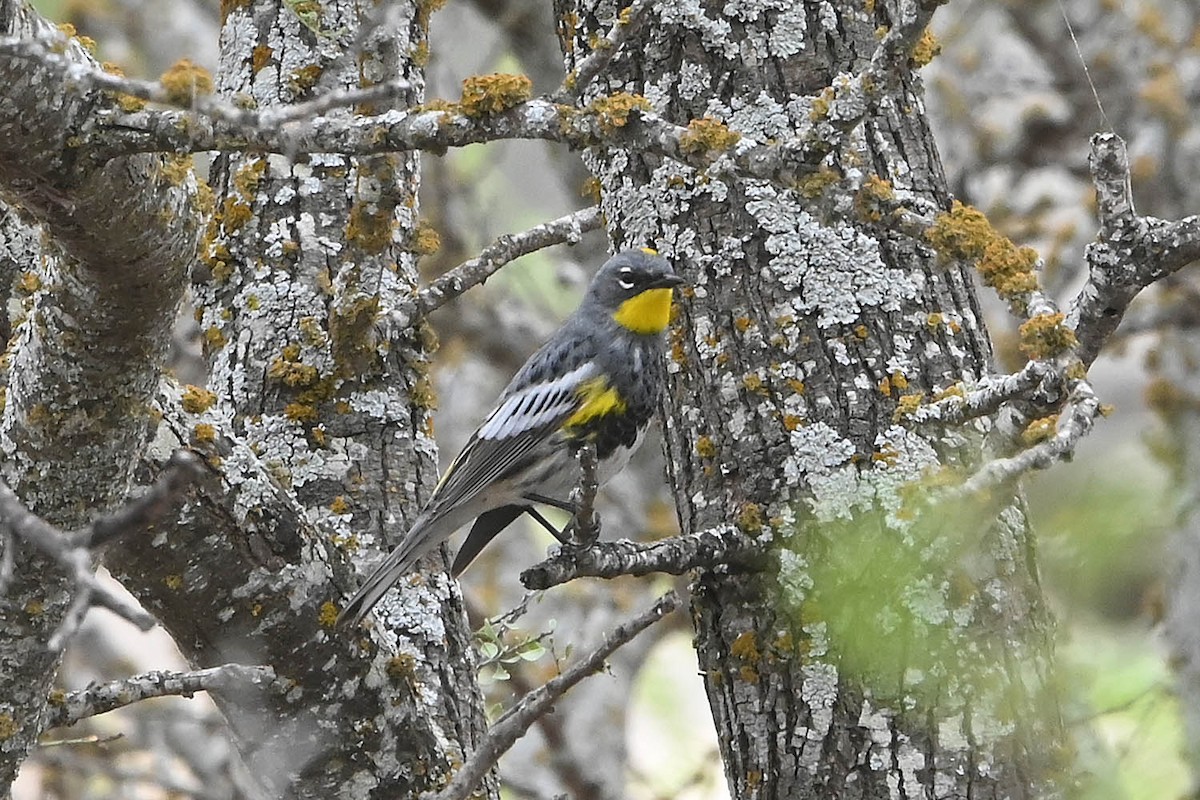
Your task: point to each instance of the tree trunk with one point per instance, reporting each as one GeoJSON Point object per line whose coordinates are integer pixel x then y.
{"type": "Point", "coordinates": [97, 305]}
{"type": "Point", "coordinates": [888, 656]}
{"type": "Point", "coordinates": [328, 404]}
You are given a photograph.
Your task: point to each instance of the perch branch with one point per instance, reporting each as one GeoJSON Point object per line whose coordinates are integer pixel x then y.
{"type": "Point", "coordinates": [725, 545]}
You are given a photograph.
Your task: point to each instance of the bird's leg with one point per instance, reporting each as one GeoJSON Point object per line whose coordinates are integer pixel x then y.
{"type": "Point", "coordinates": [562, 536]}
{"type": "Point", "coordinates": [585, 525]}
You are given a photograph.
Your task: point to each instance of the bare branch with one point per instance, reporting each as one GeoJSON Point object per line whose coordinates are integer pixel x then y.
{"type": "Point", "coordinates": [212, 106]}
{"type": "Point", "coordinates": [624, 27]}
{"type": "Point", "coordinates": [725, 545]}
{"type": "Point", "coordinates": [1073, 424]}
{"type": "Point", "coordinates": [500, 252]}
{"type": "Point", "coordinates": [992, 393]}
{"type": "Point", "coordinates": [101, 698]}
{"type": "Point", "coordinates": [148, 507]}
{"type": "Point", "coordinates": [1129, 254]}
{"type": "Point", "coordinates": [513, 723]}
{"type": "Point", "coordinates": [73, 550]}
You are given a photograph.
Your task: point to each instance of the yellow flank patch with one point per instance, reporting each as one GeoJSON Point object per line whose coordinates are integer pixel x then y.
{"type": "Point", "coordinates": [648, 312]}
{"type": "Point", "coordinates": [650, 251]}
{"type": "Point", "coordinates": [598, 399]}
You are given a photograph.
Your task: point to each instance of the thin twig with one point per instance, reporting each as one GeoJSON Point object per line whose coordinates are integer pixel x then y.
{"type": "Point", "coordinates": [513, 723]}
{"type": "Point", "coordinates": [73, 550]}
{"type": "Point", "coordinates": [723, 546]}
{"type": "Point", "coordinates": [101, 698]}
{"type": "Point", "coordinates": [212, 106]}
{"type": "Point", "coordinates": [628, 21]}
{"type": "Point", "coordinates": [503, 250]}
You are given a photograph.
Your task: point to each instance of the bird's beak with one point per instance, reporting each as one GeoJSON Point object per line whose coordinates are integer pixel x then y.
{"type": "Point", "coordinates": [666, 282]}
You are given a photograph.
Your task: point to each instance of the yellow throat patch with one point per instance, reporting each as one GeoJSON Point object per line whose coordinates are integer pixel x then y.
{"type": "Point", "coordinates": [598, 399]}
{"type": "Point", "coordinates": [646, 313]}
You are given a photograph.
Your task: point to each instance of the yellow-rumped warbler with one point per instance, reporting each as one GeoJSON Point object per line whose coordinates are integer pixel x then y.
{"type": "Point", "coordinates": [597, 380]}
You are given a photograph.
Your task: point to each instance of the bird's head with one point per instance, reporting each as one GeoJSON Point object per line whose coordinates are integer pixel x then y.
{"type": "Point", "coordinates": [635, 287]}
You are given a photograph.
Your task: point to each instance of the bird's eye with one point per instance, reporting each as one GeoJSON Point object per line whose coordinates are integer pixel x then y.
{"type": "Point", "coordinates": [626, 279]}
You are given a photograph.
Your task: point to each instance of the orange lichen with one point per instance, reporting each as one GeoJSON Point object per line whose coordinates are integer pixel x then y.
{"type": "Point", "coordinates": [926, 48]}
{"type": "Point", "coordinates": [1040, 430]}
{"type": "Point", "coordinates": [707, 135]}
{"type": "Point", "coordinates": [964, 233]}
{"type": "Point", "coordinates": [1045, 336]}
{"type": "Point", "coordinates": [184, 81]}
{"type": "Point", "coordinates": [492, 94]}
{"type": "Point", "coordinates": [612, 111]}
{"type": "Point", "coordinates": [196, 400]}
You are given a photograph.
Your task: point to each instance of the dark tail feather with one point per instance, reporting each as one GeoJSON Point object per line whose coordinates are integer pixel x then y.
{"type": "Point", "coordinates": [483, 531]}
{"type": "Point", "coordinates": [419, 541]}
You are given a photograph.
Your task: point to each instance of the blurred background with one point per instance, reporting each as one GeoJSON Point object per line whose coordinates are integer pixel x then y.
{"type": "Point", "coordinates": [1012, 110]}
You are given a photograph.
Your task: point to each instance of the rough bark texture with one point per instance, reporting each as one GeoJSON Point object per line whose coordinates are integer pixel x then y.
{"type": "Point", "coordinates": [322, 441]}
{"type": "Point", "coordinates": [84, 364]}
{"type": "Point", "coordinates": [887, 656]}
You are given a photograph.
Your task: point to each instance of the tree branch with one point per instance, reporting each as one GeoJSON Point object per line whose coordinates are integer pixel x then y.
{"type": "Point", "coordinates": [73, 550]}
{"type": "Point", "coordinates": [628, 21]}
{"type": "Point", "coordinates": [101, 698]}
{"type": "Point", "coordinates": [725, 545]}
{"type": "Point", "coordinates": [513, 723]}
{"type": "Point", "coordinates": [1129, 254]}
{"type": "Point", "coordinates": [503, 250]}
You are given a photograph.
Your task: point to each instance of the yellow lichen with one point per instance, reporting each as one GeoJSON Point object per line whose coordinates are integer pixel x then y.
{"type": "Point", "coordinates": [203, 433]}
{"type": "Point", "coordinates": [964, 233]}
{"type": "Point", "coordinates": [401, 667]}
{"type": "Point", "coordinates": [492, 94]}
{"type": "Point", "coordinates": [291, 372]}
{"type": "Point", "coordinates": [369, 228]}
{"type": "Point", "coordinates": [304, 78]}
{"type": "Point", "coordinates": [821, 105]}
{"type": "Point", "coordinates": [214, 338]}
{"type": "Point", "coordinates": [707, 135]}
{"type": "Point", "coordinates": [174, 582]}
{"type": "Point", "coordinates": [8, 726]}
{"type": "Point", "coordinates": [175, 169]}
{"type": "Point", "coordinates": [791, 422]}
{"type": "Point", "coordinates": [184, 81]}
{"type": "Point", "coordinates": [750, 518]}
{"type": "Point", "coordinates": [1040, 430]}
{"type": "Point", "coordinates": [612, 111]}
{"type": "Point", "coordinates": [196, 400]}
{"type": "Point", "coordinates": [926, 48]}
{"type": "Point", "coordinates": [327, 617]}
{"type": "Point", "coordinates": [908, 405]}
{"type": "Point", "coordinates": [339, 505]}
{"type": "Point", "coordinates": [874, 194]}
{"type": "Point", "coordinates": [745, 648]}
{"type": "Point", "coordinates": [300, 412]}
{"type": "Point", "coordinates": [1045, 336]}
{"type": "Point", "coordinates": [260, 57]}
{"type": "Point", "coordinates": [814, 185]}
{"type": "Point", "coordinates": [425, 240]}
{"type": "Point", "coordinates": [28, 283]}
{"type": "Point", "coordinates": [705, 447]}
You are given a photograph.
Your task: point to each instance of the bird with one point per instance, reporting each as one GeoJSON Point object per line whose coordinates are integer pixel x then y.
{"type": "Point", "coordinates": [596, 381]}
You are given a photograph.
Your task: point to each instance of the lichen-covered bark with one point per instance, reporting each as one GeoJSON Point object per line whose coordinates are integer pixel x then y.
{"type": "Point", "coordinates": [318, 423]}
{"type": "Point", "coordinates": [889, 655]}
{"type": "Point", "coordinates": [83, 364]}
